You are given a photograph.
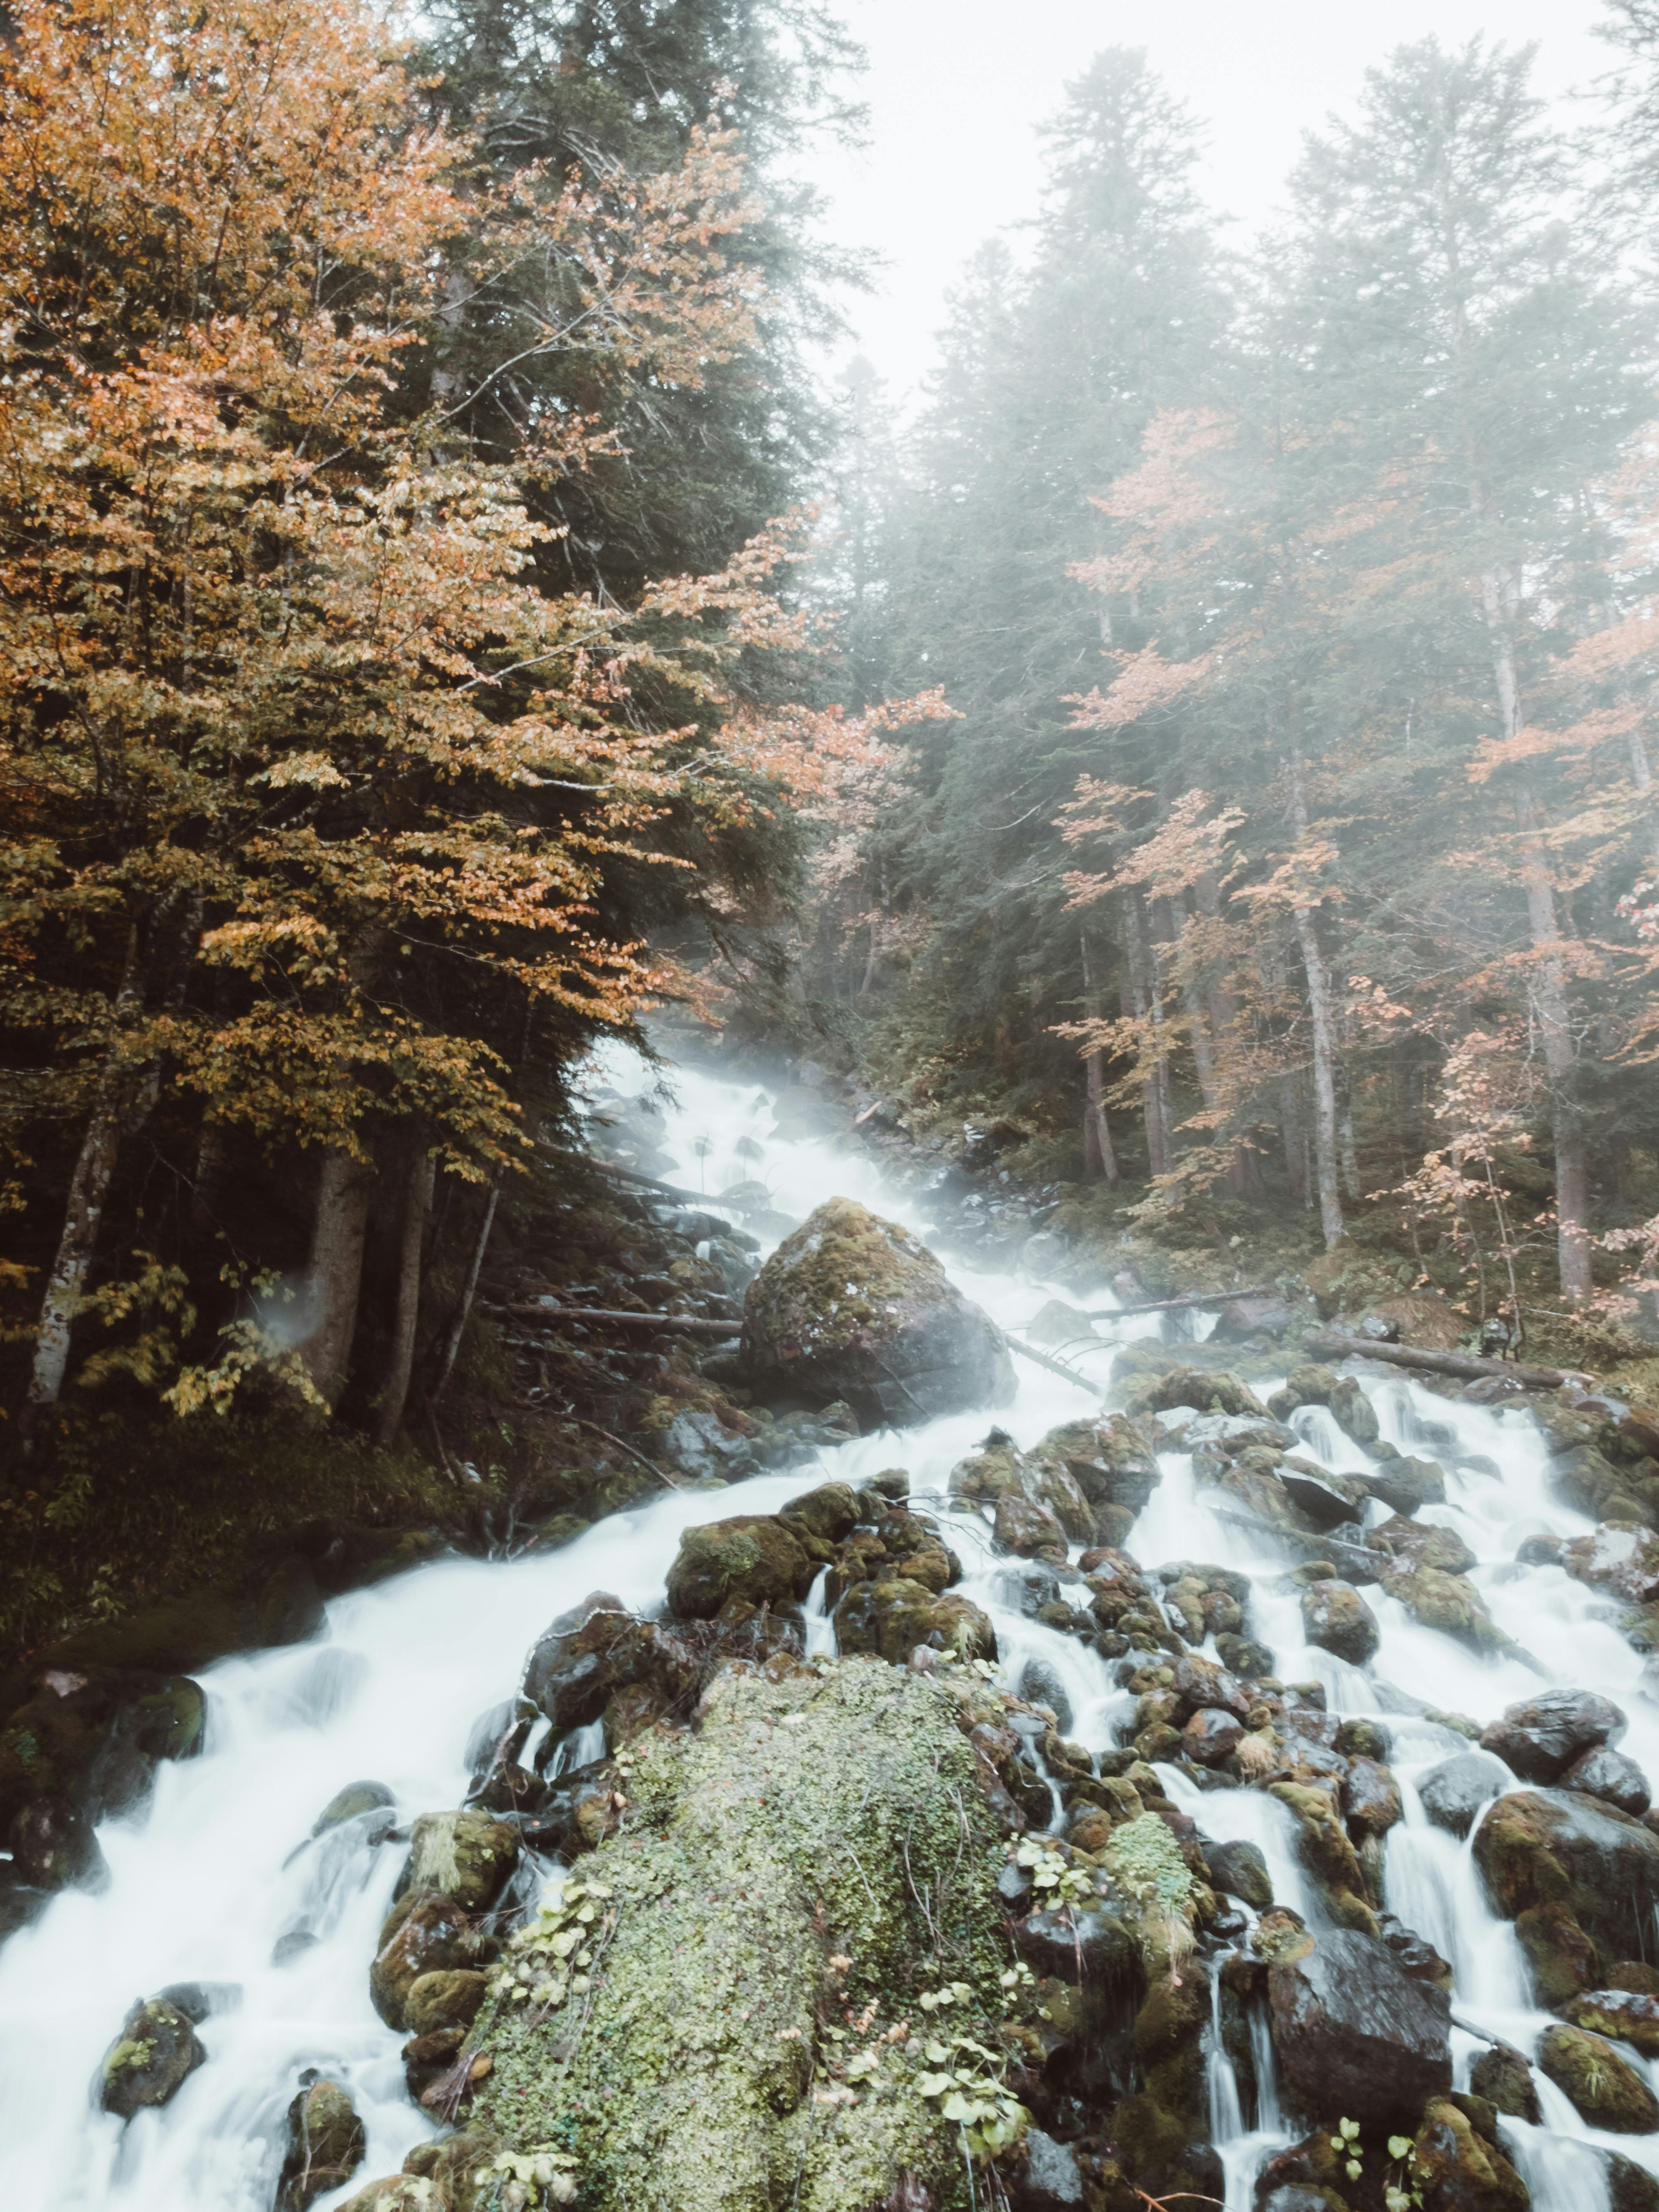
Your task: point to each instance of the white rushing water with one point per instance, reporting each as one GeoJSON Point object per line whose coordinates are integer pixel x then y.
{"type": "Point", "coordinates": [209, 1877]}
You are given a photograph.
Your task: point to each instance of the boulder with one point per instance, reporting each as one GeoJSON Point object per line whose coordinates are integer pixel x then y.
{"type": "Point", "coordinates": [1562, 1957]}
{"type": "Point", "coordinates": [598, 1648]}
{"type": "Point", "coordinates": [1422, 1544]}
{"type": "Point", "coordinates": [1405, 1484]}
{"type": "Point", "coordinates": [398, 2192]}
{"type": "Point", "coordinates": [753, 1555]}
{"type": "Point", "coordinates": [94, 1733]}
{"type": "Point", "coordinates": [426, 1932]}
{"type": "Point", "coordinates": [1206, 1390]}
{"type": "Point", "coordinates": [351, 1803]}
{"type": "Point", "coordinates": [1454, 1792]}
{"type": "Point", "coordinates": [851, 1306]}
{"type": "Point", "coordinates": [1314, 1385]}
{"type": "Point", "coordinates": [1371, 1797]}
{"type": "Point", "coordinates": [1240, 1869]}
{"type": "Point", "coordinates": [465, 1855]}
{"type": "Point", "coordinates": [1619, 2014]}
{"type": "Point", "coordinates": [1620, 1556]}
{"type": "Point", "coordinates": [1631, 2188]}
{"type": "Point", "coordinates": [53, 1846]}
{"type": "Point", "coordinates": [1605, 2088]}
{"type": "Point", "coordinates": [890, 1619]}
{"type": "Point", "coordinates": [448, 1998]}
{"type": "Point", "coordinates": [1046, 2177]}
{"type": "Point", "coordinates": [1540, 1738]}
{"type": "Point", "coordinates": [151, 2059]}
{"type": "Point", "coordinates": [1459, 2161]}
{"type": "Point", "coordinates": [824, 1517]}
{"type": "Point", "coordinates": [1023, 1526]}
{"type": "Point", "coordinates": [1241, 1319]}
{"type": "Point", "coordinates": [1328, 1500]}
{"type": "Point", "coordinates": [1608, 1775]}
{"type": "Point", "coordinates": [1554, 1848]}
{"type": "Point", "coordinates": [1502, 2075]}
{"type": "Point", "coordinates": [1210, 1736]}
{"type": "Point", "coordinates": [1354, 2034]}
{"type": "Point", "coordinates": [1336, 1618]}
{"type": "Point", "coordinates": [1448, 1602]}
{"type": "Point", "coordinates": [325, 2144]}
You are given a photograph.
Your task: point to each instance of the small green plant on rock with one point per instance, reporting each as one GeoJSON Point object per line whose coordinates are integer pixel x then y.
{"type": "Point", "coordinates": [969, 2089]}
{"type": "Point", "coordinates": [548, 1959]}
{"type": "Point", "coordinates": [1054, 1879]}
{"type": "Point", "coordinates": [1401, 2191]}
{"type": "Point", "coordinates": [524, 2181]}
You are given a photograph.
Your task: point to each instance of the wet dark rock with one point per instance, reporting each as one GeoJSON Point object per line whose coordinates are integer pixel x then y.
{"type": "Point", "coordinates": [1631, 2188]}
{"type": "Point", "coordinates": [828, 1515]}
{"type": "Point", "coordinates": [1210, 1736]}
{"type": "Point", "coordinates": [53, 1846]}
{"type": "Point", "coordinates": [1240, 1869]}
{"type": "Point", "coordinates": [598, 1648]}
{"type": "Point", "coordinates": [1454, 1792]}
{"type": "Point", "coordinates": [352, 1802]}
{"type": "Point", "coordinates": [94, 1733]}
{"type": "Point", "coordinates": [199, 2000]}
{"type": "Point", "coordinates": [1449, 1602]}
{"type": "Point", "coordinates": [1406, 1484]}
{"type": "Point", "coordinates": [1196, 1683]}
{"type": "Point", "coordinates": [851, 1306]}
{"type": "Point", "coordinates": [150, 2061]}
{"type": "Point", "coordinates": [1620, 2015]}
{"type": "Point", "coordinates": [1335, 1617]}
{"type": "Point", "coordinates": [1371, 1797]}
{"type": "Point", "coordinates": [1416, 1956]}
{"type": "Point", "coordinates": [325, 2144]}
{"type": "Point", "coordinates": [1241, 1319]}
{"type": "Point", "coordinates": [1423, 1544]}
{"type": "Point", "coordinates": [1502, 2075]}
{"type": "Point", "coordinates": [1328, 1500]}
{"type": "Point", "coordinates": [1562, 1957]}
{"type": "Point", "coordinates": [1047, 2178]}
{"type": "Point", "coordinates": [1620, 1557]}
{"type": "Point", "coordinates": [426, 1932]}
{"type": "Point", "coordinates": [1355, 2034]}
{"type": "Point", "coordinates": [449, 1998]}
{"type": "Point", "coordinates": [1555, 1848]}
{"type": "Point", "coordinates": [1540, 1738]}
{"type": "Point", "coordinates": [1605, 2088]}
{"type": "Point", "coordinates": [1539, 1551]}
{"type": "Point", "coordinates": [1313, 1385]}
{"type": "Point", "coordinates": [1078, 1947]}
{"type": "Point", "coordinates": [1608, 1774]}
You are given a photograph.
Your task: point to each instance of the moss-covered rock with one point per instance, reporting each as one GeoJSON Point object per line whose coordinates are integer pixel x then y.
{"type": "Point", "coordinates": [1457, 2163]}
{"type": "Point", "coordinates": [853, 1307]}
{"type": "Point", "coordinates": [737, 2020]}
{"type": "Point", "coordinates": [1604, 2089]}
{"type": "Point", "coordinates": [1448, 1602]}
{"type": "Point", "coordinates": [466, 1854]}
{"type": "Point", "coordinates": [1217, 1392]}
{"type": "Point", "coordinates": [1621, 2014]}
{"type": "Point", "coordinates": [1502, 2075]}
{"type": "Point", "coordinates": [1328, 1855]}
{"type": "Point", "coordinates": [425, 1933]}
{"type": "Point", "coordinates": [325, 2144]}
{"type": "Point", "coordinates": [1562, 1957]}
{"type": "Point", "coordinates": [887, 1619]}
{"type": "Point", "coordinates": [1336, 1618]}
{"type": "Point", "coordinates": [150, 2060]}
{"type": "Point", "coordinates": [1538, 1847]}
{"type": "Point", "coordinates": [753, 1555]}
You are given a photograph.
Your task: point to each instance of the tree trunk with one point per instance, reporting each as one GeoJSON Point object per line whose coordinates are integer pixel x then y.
{"type": "Point", "coordinates": [417, 1202]}
{"type": "Point", "coordinates": [1296, 1142]}
{"type": "Point", "coordinates": [1098, 1157]}
{"type": "Point", "coordinates": [1148, 1007]}
{"type": "Point", "coordinates": [1643, 775]}
{"type": "Point", "coordinates": [469, 1291]}
{"type": "Point", "coordinates": [1319, 1018]}
{"type": "Point", "coordinates": [335, 1273]}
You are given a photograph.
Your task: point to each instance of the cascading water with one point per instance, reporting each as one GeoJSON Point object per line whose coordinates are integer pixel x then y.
{"type": "Point", "coordinates": [219, 1876]}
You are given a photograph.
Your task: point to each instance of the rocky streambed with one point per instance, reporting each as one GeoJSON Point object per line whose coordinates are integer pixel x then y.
{"type": "Point", "coordinates": [1238, 1790]}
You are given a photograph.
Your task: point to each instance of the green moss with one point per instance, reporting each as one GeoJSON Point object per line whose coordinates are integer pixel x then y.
{"type": "Point", "coordinates": [748, 2031]}
{"type": "Point", "coordinates": [834, 1278]}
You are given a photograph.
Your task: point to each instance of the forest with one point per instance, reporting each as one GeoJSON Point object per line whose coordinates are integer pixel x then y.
{"type": "Point", "coordinates": [830, 1304]}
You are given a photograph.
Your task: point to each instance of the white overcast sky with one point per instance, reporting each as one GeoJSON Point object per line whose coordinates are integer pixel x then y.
{"type": "Point", "coordinates": [957, 88]}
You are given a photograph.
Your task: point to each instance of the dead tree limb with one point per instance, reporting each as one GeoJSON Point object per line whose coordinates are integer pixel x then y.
{"type": "Point", "coordinates": [1169, 1305]}
{"type": "Point", "coordinates": [1332, 1344]}
{"type": "Point", "coordinates": [622, 1317]}
{"type": "Point", "coordinates": [1054, 1366]}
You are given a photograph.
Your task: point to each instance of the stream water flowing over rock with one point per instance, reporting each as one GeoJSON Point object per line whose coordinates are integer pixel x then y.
{"type": "Point", "coordinates": [223, 1886]}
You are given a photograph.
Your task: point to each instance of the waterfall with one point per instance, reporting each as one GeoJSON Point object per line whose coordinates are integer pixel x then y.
{"type": "Point", "coordinates": [219, 1879]}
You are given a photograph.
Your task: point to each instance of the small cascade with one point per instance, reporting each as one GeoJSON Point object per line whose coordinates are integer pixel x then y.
{"type": "Point", "coordinates": [817, 1627]}
{"type": "Point", "coordinates": [1221, 2077]}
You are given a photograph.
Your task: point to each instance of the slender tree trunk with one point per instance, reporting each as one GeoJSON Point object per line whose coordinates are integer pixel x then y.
{"type": "Point", "coordinates": [1321, 1020]}
{"type": "Point", "coordinates": [1572, 1242]}
{"type": "Point", "coordinates": [1643, 775]}
{"type": "Point", "coordinates": [417, 1202]}
{"type": "Point", "coordinates": [1143, 995]}
{"type": "Point", "coordinates": [1294, 1137]}
{"type": "Point", "coordinates": [469, 1291]}
{"type": "Point", "coordinates": [1097, 1151]}
{"type": "Point", "coordinates": [335, 1274]}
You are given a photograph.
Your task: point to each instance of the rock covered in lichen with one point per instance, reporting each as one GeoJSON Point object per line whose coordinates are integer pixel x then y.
{"type": "Point", "coordinates": [853, 1307]}
{"type": "Point", "coordinates": [730, 2011]}
{"type": "Point", "coordinates": [151, 2059]}
{"type": "Point", "coordinates": [325, 2144]}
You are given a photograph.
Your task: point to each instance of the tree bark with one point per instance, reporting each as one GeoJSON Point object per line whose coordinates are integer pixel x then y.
{"type": "Point", "coordinates": [464, 1310]}
{"type": "Point", "coordinates": [1320, 1019]}
{"type": "Point", "coordinates": [1097, 1153]}
{"type": "Point", "coordinates": [1331, 1344]}
{"type": "Point", "coordinates": [334, 1275]}
{"type": "Point", "coordinates": [1143, 995]}
{"type": "Point", "coordinates": [1296, 1142]}
{"type": "Point", "coordinates": [417, 1202]}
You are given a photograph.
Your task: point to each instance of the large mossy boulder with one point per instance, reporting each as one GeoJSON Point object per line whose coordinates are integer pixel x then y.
{"type": "Point", "coordinates": [93, 1735]}
{"type": "Point", "coordinates": [1605, 2089]}
{"type": "Point", "coordinates": [815, 1857]}
{"type": "Point", "coordinates": [466, 1854]}
{"type": "Point", "coordinates": [325, 2144]}
{"type": "Point", "coordinates": [1554, 1848]}
{"type": "Point", "coordinates": [755, 1557]}
{"type": "Point", "coordinates": [889, 1619]}
{"type": "Point", "coordinates": [1356, 2036]}
{"type": "Point", "coordinates": [853, 1307]}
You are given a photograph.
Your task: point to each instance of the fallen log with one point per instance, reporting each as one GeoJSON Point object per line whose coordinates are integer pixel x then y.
{"type": "Point", "coordinates": [630, 1175]}
{"type": "Point", "coordinates": [1054, 1366]}
{"type": "Point", "coordinates": [1169, 1305]}
{"type": "Point", "coordinates": [1332, 1344]}
{"type": "Point", "coordinates": [622, 1317]}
